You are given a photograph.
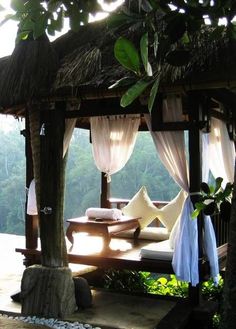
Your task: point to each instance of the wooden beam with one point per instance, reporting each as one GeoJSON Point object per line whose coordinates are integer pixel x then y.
{"type": "Point", "coordinates": [98, 107]}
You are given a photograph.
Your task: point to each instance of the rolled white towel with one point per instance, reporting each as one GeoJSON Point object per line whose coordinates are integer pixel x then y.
{"type": "Point", "coordinates": [105, 213]}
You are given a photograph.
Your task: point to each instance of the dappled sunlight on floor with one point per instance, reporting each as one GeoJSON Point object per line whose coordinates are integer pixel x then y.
{"type": "Point", "coordinates": [85, 244]}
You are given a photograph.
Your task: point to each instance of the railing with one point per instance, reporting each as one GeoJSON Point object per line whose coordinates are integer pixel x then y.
{"type": "Point", "coordinates": [221, 230]}
{"type": "Point", "coordinates": [120, 203]}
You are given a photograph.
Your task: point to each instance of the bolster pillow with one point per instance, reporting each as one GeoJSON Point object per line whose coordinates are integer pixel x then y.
{"type": "Point", "coordinates": [105, 213]}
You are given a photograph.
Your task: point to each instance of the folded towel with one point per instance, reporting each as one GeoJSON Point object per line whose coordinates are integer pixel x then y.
{"type": "Point", "coordinates": [105, 213]}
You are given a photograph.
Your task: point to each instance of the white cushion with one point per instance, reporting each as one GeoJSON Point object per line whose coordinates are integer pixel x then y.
{"type": "Point", "coordinates": [141, 206]}
{"type": "Point", "coordinates": [147, 233]}
{"type": "Point", "coordinates": [170, 212]}
{"type": "Point", "coordinates": [157, 250]}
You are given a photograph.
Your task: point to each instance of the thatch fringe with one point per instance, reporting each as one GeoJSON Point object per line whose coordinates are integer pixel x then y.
{"type": "Point", "coordinates": [38, 69]}
{"type": "Point", "coordinates": [79, 67]}
{"type": "Point", "coordinates": [29, 72]}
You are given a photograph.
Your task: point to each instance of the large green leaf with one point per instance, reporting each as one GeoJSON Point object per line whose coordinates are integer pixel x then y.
{"type": "Point", "coordinates": [218, 181]}
{"type": "Point", "coordinates": [153, 93]}
{"type": "Point", "coordinates": [57, 24]}
{"type": "Point", "coordinates": [40, 26]}
{"type": "Point", "coordinates": [155, 43]}
{"type": "Point", "coordinates": [125, 81]}
{"type": "Point", "coordinates": [126, 53]}
{"type": "Point", "coordinates": [205, 188]}
{"type": "Point", "coordinates": [117, 20]}
{"type": "Point", "coordinates": [17, 5]}
{"type": "Point", "coordinates": [33, 5]}
{"type": "Point", "coordinates": [22, 36]}
{"type": "Point", "coordinates": [8, 17]}
{"type": "Point", "coordinates": [144, 54]}
{"type": "Point", "coordinates": [133, 92]}
{"type": "Point", "coordinates": [144, 50]}
{"type": "Point", "coordinates": [53, 5]}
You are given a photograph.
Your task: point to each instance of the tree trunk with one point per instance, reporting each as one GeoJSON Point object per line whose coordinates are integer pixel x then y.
{"type": "Point", "coordinates": [228, 316]}
{"type": "Point", "coordinates": [46, 290]}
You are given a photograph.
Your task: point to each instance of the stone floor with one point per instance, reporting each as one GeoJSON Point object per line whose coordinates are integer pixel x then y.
{"type": "Point", "coordinates": [109, 310]}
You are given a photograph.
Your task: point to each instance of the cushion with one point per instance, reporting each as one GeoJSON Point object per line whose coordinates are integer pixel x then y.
{"type": "Point", "coordinates": [170, 212]}
{"type": "Point", "coordinates": [141, 206]}
{"type": "Point", "coordinates": [147, 233]}
{"type": "Point", "coordinates": [157, 250]}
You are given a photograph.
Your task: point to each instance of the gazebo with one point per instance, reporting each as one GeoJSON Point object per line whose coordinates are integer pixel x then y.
{"type": "Point", "coordinates": [65, 84]}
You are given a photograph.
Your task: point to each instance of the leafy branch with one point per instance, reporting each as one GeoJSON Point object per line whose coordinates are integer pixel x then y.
{"type": "Point", "coordinates": [214, 199]}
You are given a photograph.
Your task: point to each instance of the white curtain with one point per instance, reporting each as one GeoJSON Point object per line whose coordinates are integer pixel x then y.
{"type": "Point", "coordinates": [221, 151]}
{"type": "Point", "coordinates": [171, 149]}
{"type": "Point", "coordinates": [219, 157]}
{"type": "Point", "coordinates": [209, 238]}
{"type": "Point", "coordinates": [69, 128]}
{"type": "Point", "coordinates": [113, 140]}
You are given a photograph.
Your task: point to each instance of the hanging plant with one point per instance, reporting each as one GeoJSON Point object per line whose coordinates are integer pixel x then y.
{"type": "Point", "coordinates": [215, 199]}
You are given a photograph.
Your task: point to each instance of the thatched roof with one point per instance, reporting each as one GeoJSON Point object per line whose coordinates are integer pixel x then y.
{"type": "Point", "coordinates": [82, 64]}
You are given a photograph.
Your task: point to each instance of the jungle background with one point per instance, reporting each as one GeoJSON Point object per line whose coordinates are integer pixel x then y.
{"type": "Point", "coordinates": [82, 176]}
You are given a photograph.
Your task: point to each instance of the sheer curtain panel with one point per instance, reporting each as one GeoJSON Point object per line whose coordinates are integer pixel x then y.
{"type": "Point", "coordinates": [170, 146]}
{"type": "Point", "coordinates": [113, 140]}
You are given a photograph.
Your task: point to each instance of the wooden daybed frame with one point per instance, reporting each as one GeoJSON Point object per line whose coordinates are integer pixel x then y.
{"type": "Point", "coordinates": [131, 259]}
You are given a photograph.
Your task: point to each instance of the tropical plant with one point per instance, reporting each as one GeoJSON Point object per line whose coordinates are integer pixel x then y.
{"type": "Point", "coordinates": [170, 31]}
{"type": "Point", "coordinates": [215, 199]}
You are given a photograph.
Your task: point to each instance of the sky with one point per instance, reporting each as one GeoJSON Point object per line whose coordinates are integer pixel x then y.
{"type": "Point", "coordinates": [7, 44]}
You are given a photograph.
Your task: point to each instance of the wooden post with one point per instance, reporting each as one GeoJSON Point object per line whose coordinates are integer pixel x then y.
{"type": "Point", "coordinates": [105, 192]}
{"type": "Point", "coordinates": [48, 290]}
{"type": "Point", "coordinates": [52, 186]}
{"type": "Point", "coordinates": [195, 176]}
{"type": "Point", "coordinates": [31, 222]}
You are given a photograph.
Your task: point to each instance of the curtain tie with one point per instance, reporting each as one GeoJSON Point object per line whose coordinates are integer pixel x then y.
{"type": "Point", "coordinates": [108, 176]}
{"type": "Point", "coordinates": [195, 193]}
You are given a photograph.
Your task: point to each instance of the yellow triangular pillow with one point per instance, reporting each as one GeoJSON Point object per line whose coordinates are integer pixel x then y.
{"type": "Point", "coordinates": [170, 212]}
{"type": "Point", "coordinates": [141, 206]}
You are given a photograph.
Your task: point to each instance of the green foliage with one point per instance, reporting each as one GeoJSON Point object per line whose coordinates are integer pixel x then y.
{"type": "Point", "coordinates": [146, 282]}
{"type": "Point", "coordinates": [37, 17]}
{"type": "Point", "coordinates": [12, 182]}
{"type": "Point", "coordinates": [210, 291]}
{"type": "Point", "coordinates": [166, 286]}
{"type": "Point", "coordinates": [180, 25]}
{"type": "Point", "coordinates": [125, 280]}
{"type": "Point", "coordinates": [215, 199]}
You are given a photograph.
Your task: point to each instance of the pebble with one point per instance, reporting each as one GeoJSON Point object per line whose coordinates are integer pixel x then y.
{"type": "Point", "coordinates": [51, 323]}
